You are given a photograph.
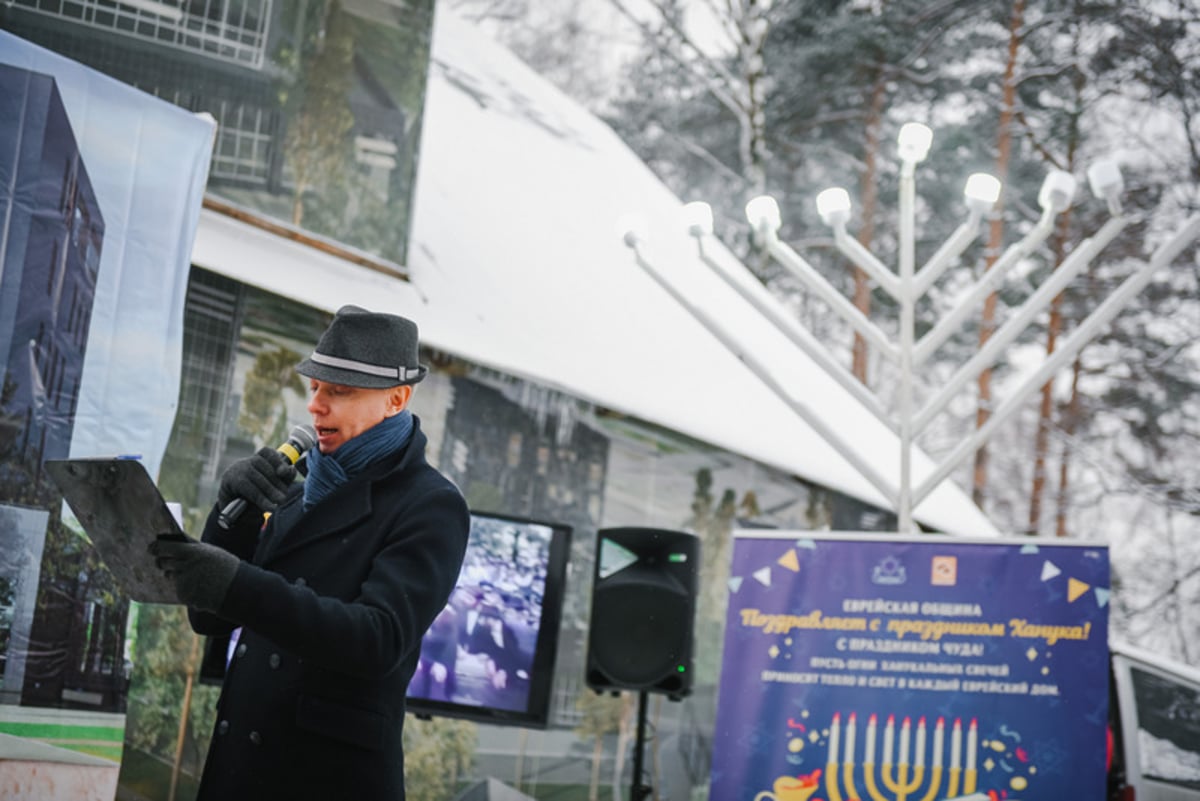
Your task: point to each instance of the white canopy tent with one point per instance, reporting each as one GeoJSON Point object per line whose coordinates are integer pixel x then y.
{"type": "Point", "coordinates": [515, 263]}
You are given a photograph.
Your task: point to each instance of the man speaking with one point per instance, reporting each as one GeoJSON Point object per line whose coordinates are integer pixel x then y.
{"type": "Point", "coordinates": [334, 591]}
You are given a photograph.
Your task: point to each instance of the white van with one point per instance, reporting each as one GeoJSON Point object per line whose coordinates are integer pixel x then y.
{"type": "Point", "coordinates": [1155, 724]}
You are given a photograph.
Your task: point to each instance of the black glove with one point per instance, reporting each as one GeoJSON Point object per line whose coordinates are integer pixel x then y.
{"type": "Point", "coordinates": [262, 480]}
{"type": "Point", "coordinates": [201, 572]}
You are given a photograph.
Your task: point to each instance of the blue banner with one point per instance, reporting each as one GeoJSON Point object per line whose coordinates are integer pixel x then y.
{"type": "Point", "coordinates": [884, 668]}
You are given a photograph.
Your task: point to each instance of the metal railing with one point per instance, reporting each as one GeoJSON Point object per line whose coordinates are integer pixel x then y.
{"type": "Point", "coordinates": [234, 31]}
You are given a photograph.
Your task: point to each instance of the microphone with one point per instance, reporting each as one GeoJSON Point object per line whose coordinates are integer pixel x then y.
{"type": "Point", "coordinates": [298, 443]}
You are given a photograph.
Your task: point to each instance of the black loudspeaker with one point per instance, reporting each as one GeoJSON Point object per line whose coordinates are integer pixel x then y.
{"type": "Point", "coordinates": [643, 610]}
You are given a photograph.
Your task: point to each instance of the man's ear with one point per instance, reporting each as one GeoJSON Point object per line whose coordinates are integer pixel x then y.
{"type": "Point", "coordinates": [398, 399]}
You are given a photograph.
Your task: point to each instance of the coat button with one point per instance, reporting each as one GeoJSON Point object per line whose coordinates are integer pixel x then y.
{"type": "Point", "coordinates": [274, 661]}
{"type": "Point", "coordinates": [256, 738]}
{"type": "Point", "coordinates": [300, 582]}
{"type": "Point", "coordinates": [241, 649]}
{"type": "Point", "coordinates": [223, 727]}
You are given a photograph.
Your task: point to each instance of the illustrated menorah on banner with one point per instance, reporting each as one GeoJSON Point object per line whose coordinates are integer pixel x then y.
{"type": "Point", "coordinates": [901, 773]}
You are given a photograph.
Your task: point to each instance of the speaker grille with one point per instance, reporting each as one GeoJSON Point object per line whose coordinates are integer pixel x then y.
{"type": "Point", "coordinates": [637, 635]}
{"type": "Point", "coordinates": [643, 603]}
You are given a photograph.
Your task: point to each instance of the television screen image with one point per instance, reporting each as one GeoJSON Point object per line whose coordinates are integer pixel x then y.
{"type": "Point", "coordinates": [489, 656]}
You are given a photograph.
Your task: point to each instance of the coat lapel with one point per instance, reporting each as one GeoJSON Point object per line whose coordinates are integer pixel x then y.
{"type": "Point", "coordinates": [282, 519]}
{"type": "Point", "coordinates": [345, 507]}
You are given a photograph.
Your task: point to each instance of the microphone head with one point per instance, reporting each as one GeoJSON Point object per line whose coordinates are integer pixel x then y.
{"type": "Point", "coordinates": [302, 438]}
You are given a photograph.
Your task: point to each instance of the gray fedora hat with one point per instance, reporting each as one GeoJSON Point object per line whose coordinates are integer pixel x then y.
{"type": "Point", "coordinates": [367, 349]}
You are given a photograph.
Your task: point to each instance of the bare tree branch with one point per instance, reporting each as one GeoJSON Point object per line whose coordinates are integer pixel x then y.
{"type": "Point", "coordinates": [1166, 595]}
{"type": "Point", "coordinates": [707, 156]}
{"type": "Point", "coordinates": [686, 41]}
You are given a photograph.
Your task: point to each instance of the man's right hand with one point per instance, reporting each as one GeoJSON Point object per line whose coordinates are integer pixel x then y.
{"type": "Point", "coordinates": [262, 480]}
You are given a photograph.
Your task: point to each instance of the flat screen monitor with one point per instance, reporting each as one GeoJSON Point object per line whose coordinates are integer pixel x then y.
{"type": "Point", "coordinates": [489, 656]}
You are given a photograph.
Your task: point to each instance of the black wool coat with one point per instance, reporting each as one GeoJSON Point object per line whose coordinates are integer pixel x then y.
{"type": "Point", "coordinates": [332, 605]}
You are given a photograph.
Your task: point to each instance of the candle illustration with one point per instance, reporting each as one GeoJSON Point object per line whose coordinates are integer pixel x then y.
{"type": "Point", "coordinates": [831, 756]}
{"type": "Point", "coordinates": [869, 761]}
{"type": "Point", "coordinates": [848, 762]}
{"type": "Point", "coordinates": [889, 738]}
{"type": "Point", "coordinates": [939, 733]}
{"type": "Point", "coordinates": [920, 760]}
{"type": "Point", "coordinates": [889, 735]}
{"type": "Point", "coordinates": [972, 742]}
{"type": "Point", "coordinates": [955, 758]}
{"type": "Point", "coordinates": [831, 759]}
{"type": "Point", "coordinates": [869, 757]}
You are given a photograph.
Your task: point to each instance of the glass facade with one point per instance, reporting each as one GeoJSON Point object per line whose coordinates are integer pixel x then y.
{"type": "Point", "coordinates": [317, 103]}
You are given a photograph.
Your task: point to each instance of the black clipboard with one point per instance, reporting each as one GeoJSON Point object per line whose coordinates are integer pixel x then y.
{"type": "Point", "coordinates": [122, 512]}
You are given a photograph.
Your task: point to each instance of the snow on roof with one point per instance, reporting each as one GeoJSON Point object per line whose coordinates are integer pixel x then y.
{"type": "Point", "coordinates": [516, 264]}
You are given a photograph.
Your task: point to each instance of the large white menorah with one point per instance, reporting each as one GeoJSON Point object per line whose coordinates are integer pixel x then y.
{"type": "Point", "coordinates": [901, 778]}
{"type": "Point", "coordinates": [906, 285]}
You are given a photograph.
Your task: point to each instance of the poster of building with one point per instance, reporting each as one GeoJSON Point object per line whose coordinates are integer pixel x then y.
{"type": "Point", "coordinates": [102, 191]}
{"type": "Point", "coordinates": [890, 668]}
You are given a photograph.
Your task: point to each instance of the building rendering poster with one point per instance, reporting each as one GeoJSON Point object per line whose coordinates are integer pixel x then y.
{"type": "Point", "coordinates": [145, 163]}
{"type": "Point", "coordinates": [881, 667]}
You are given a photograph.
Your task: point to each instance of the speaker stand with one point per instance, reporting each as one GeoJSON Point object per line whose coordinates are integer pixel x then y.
{"type": "Point", "coordinates": [637, 790]}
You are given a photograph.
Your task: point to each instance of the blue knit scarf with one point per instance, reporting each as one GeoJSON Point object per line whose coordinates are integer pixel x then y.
{"type": "Point", "coordinates": [328, 471]}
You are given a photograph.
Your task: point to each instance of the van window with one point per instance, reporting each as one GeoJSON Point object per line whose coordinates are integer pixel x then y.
{"type": "Point", "coordinates": [1168, 718]}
